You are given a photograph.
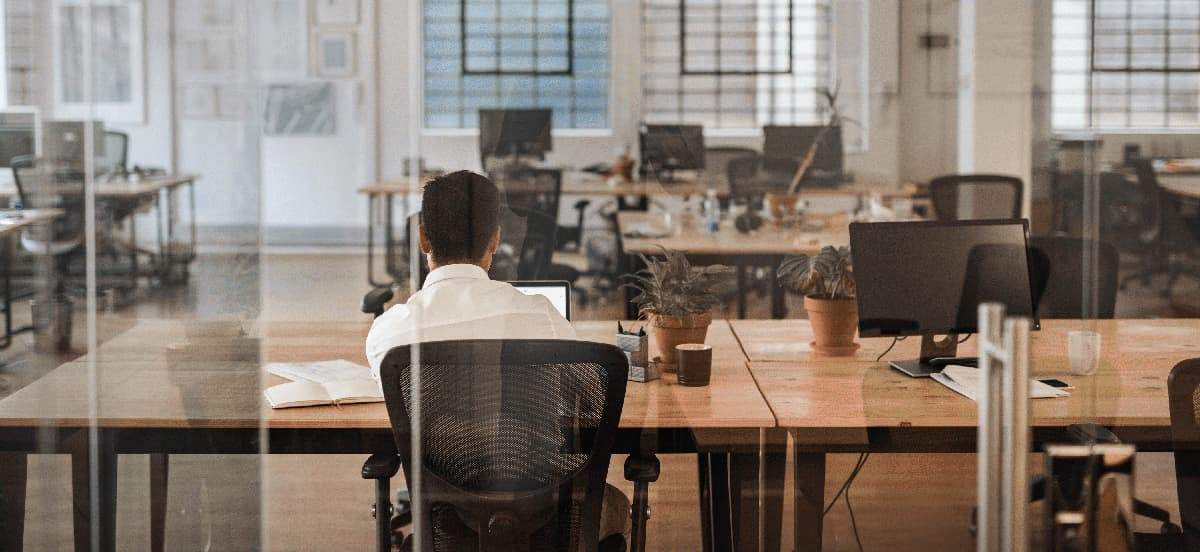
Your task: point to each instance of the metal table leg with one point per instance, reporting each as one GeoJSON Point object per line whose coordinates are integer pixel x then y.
{"type": "Point", "coordinates": [13, 478]}
{"type": "Point", "coordinates": [95, 514]}
{"type": "Point", "coordinates": [809, 502]}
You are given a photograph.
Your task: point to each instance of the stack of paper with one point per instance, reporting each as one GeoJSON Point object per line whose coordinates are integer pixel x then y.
{"type": "Point", "coordinates": [322, 383]}
{"type": "Point", "coordinates": [964, 380]}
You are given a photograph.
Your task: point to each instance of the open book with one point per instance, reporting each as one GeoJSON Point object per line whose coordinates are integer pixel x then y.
{"type": "Point", "coordinates": [964, 380]}
{"type": "Point", "coordinates": [322, 383]}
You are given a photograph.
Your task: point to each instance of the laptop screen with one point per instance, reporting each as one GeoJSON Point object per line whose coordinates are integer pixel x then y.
{"type": "Point", "coordinates": [559, 293]}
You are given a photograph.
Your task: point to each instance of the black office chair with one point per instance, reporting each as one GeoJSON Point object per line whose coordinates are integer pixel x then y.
{"type": "Point", "coordinates": [1065, 280]}
{"type": "Point", "coordinates": [1160, 235]}
{"type": "Point", "coordinates": [515, 442]}
{"type": "Point", "coordinates": [988, 196]}
{"type": "Point", "coordinates": [532, 189]}
{"type": "Point", "coordinates": [748, 182]}
{"type": "Point", "coordinates": [716, 165]}
{"type": "Point", "coordinates": [1183, 389]}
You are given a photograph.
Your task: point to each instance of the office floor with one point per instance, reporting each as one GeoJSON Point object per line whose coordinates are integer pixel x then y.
{"type": "Point", "coordinates": [901, 502]}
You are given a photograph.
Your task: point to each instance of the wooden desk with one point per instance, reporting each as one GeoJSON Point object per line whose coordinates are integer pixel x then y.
{"type": "Point", "coordinates": [1185, 185]}
{"type": "Point", "coordinates": [766, 246]}
{"type": "Point", "coordinates": [177, 387]}
{"type": "Point", "coordinates": [123, 188]}
{"type": "Point", "coordinates": [855, 404]}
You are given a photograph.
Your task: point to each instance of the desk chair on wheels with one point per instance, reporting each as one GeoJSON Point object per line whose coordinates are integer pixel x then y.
{"type": "Point", "coordinates": [515, 441]}
{"type": "Point", "coordinates": [1159, 233]}
{"type": "Point", "coordinates": [976, 196]}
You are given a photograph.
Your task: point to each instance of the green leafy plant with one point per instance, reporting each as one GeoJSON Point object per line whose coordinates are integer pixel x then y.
{"type": "Point", "coordinates": [671, 286]}
{"type": "Point", "coordinates": [828, 275]}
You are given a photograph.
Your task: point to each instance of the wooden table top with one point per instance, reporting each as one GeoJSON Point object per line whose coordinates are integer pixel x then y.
{"type": "Point", "coordinates": [585, 184]}
{"type": "Point", "coordinates": [122, 189]}
{"type": "Point", "coordinates": [1183, 184]}
{"type": "Point", "coordinates": [767, 240]}
{"type": "Point", "coordinates": [12, 221]}
{"type": "Point", "coordinates": [806, 391]}
{"type": "Point", "coordinates": [189, 374]}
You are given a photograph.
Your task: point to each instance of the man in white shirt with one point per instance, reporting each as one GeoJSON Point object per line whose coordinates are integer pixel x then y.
{"type": "Point", "coordinates": [459, 233]}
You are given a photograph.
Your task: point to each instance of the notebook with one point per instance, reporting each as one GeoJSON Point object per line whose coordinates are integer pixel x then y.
{"type": "Point", "coordinates": [322, 383]}
{"type": "Point", "coordinates": [964, 380]}
{"type": "Point", "coordinates": [306, 393]}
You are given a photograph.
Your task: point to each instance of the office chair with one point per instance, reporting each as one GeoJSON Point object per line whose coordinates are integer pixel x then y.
{"type": "Point", "coordinates": [1159, 233]}
{"type": "Point", "coordinates": [39, 188]}
{"type": "Point", "coordinates": [976, 196]}
{"type": "Point", "coordinates": [531, 189]}
{"type": "Point", "coordinates": [1183, 390]}
{"type": "Point", "coordinates": [1064, 283]}
{"type": "Point", "coordinates": [116, 152]}
{"type": "Point", "coordinates": [515, 441]}
{"type": "Point", "coordinates": [716, 164]}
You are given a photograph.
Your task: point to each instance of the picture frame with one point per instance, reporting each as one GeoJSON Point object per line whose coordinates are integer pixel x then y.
{"type": "Point", "coordinates": [335, 54]}
{"type": "Point", "coordinates": [282, 38]}
{"type": "Point", "coordinates": [298, 109]}
{"type": "Point", "coordinates": [118, 65]}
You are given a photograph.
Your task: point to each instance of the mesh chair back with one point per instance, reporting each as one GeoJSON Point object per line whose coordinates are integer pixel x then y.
{"type": "Point", "coordinates": [39, 186]}
{"type": "Point", "coordinates": [531, 189]}
{"type": "Point", "coordinates": [1067, 273]}
{"type": "Point", "coordinates": [1183, 388]}
{"type": "Point", "coordinates": [116, 150]}
{"type": "Point", "coordinates": [747, 179]}
{"type": "Point", "coordinates": [976, 197]}
{"type": "Point", "coordinates": [515, 437]}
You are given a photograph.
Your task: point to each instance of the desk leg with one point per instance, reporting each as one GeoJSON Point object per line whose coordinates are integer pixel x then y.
{"type": "Point", "coordinates": [372, 206]}
{"type": "Point", "coordinates": [389, 239]}
{"type": "Point", "coordinates": [778, 299]}
{"type": "Point", "coordinates": [809, 502]}
{"type": "Point", "coordinates": [13, 477]}
{"type": "Point", "coordinates": [741, 291]}
{"type": "Point", "coordinates": [715, 523]}
{"type": "Point", "coordinates": [159, 476]}
{"type": "Point", "coordinates": [95, 515]}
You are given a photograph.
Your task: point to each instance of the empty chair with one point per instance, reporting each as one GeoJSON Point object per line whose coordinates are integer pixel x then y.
{"type": "Point", "coordinates": [1081, 280]}
{"type": "Point", "coordinates": [1183, 390]}
{"type": "Point", "coordinates": [976, 196]}
{"type": "Point", "coordinates": [716, 163]}
{"type": "Point", "coordinates": [531, 188]}
{"type": "Point", "coordinates": [38, 187]}
{"type": "Point", "coordinates": [1160, 234]}
{"type": "Point", "coordinates": [515, 440]}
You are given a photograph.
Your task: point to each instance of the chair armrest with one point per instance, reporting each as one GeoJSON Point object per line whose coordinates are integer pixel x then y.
{"type": "Point", "coordinates": [381, 466]}
{"type": "Point", "coordinates": [642, 468]}
{"type": "Point", "coordinates": [374, 300]}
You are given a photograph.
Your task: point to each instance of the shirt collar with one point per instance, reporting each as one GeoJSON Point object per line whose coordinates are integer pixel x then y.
{"type": "Point", "coordinates": [454, 271]}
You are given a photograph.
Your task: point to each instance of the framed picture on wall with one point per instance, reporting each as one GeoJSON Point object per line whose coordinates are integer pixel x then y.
{"type": "Point", "coordinates": [337, 12]}
{"type": "Point", "coordinates": [299, 109]}
{"type": "Point", "coordinates": [118, 65]}
{"type": "Point", "coordinates": [335, 54]}
{"type": "Point", "coordinates": [282, 38]}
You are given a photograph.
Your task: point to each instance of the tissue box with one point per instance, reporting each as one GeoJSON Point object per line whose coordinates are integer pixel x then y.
{"type": "Point", "coordinates": [636, 349]}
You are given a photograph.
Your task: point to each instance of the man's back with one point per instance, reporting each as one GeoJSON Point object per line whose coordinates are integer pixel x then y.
{"type": "Point", "coordinates": [460, 302]}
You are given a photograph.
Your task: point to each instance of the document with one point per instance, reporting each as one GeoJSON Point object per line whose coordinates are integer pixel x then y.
{"type": "Point", "coordinates": [320, 372]}
{"type": "Point", "coordinates": [965, 381]}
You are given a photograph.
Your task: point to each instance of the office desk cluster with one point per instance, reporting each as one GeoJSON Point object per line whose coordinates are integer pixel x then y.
{"type": "Point", "coordinates": [195, 387]}
{"type": "Point", "coordinates": [121, 199]}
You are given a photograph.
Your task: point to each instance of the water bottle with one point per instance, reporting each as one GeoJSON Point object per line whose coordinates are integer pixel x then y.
{"type": "Point", "coordinates": [712, 212]}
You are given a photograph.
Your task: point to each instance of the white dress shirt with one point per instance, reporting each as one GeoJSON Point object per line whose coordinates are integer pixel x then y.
{"type": "Point", "coordinates": [460, 302]}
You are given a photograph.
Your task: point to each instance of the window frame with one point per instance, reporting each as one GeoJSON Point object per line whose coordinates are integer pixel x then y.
{"type": "Point", "coordinates": [464, 36]}
{"type": "Point", "coordinates": [719, 72]}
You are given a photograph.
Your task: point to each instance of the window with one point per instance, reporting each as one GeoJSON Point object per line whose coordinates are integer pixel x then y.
{"type": "Point", "coordinates": [732, 64]}
{"type": "Point", "coordinates": [1126, 64]}
{"type": "Point", "coordinates": [516, 53]}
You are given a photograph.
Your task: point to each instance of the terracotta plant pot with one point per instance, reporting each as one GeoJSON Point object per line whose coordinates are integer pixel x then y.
{"type": "Point", "coordinates": [668, 331]}
{"type": "Point", "coordinates": [781, 206]}
{"type": "Point", "coordinates": [834, 323]}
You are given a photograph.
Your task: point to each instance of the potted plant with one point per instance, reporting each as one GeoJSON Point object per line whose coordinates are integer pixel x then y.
{"type": "Point", "coordinates": [676, 299]}
{"type": "Point", "coordinates": [827, 283]}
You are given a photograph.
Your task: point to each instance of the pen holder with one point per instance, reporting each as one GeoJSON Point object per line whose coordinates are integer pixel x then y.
{"type": "Point", "coordinates": [636, 349]}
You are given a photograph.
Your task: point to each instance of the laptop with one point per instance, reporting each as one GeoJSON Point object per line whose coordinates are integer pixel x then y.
{"type": "Point", "coordinates": [558, 292]}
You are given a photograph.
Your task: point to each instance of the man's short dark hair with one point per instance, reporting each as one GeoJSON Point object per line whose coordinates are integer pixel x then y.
{"type": "Point", "coordinates": [460, 213]}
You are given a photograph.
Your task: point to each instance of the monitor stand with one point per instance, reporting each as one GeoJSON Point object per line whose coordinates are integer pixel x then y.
{"type": "Point", "coordinates": [931, 348]}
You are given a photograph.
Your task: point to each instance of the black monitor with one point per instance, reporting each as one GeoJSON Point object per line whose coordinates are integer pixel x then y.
{"type": "Point", "coordinates": [669, 148]}
{"type": "Point", "coordinates": [18, 136]}
{"type": "Point", "coordinates": [785, 146]}
{"type": "Point", "coordinates": [514, 132]}
{"type": "Point", "coordinates": [928, 278]}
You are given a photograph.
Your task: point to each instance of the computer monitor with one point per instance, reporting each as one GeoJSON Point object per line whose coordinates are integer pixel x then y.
{"type": "Point", "coordinates": [63, 143]}
{"type": "Point", "coordinates": [559, 293]}
{"type": "Point", "coordinates": [928, 278]}
{"type": "Point", "coordinates": [18, 135]}
{"type": "Point", "coordinates": [514, 132]}
{"type": "Point", "coordinates": [785, 146]}
{"type": "Point", "coordinates": [669, 148]}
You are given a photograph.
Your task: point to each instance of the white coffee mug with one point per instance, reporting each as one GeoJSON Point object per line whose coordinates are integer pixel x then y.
{"type": "Point", "coordinates": [1083, 352]}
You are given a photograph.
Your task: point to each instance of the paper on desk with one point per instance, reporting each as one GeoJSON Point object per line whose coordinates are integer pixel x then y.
{"type": "Point", "coordinates": [320, 372]}
{"type": "Point", "coordinates": [964, 380]}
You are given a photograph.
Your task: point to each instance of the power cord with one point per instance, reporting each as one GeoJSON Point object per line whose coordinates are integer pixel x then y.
{"type": "Point", "coordinates": [889, 349]}
{"type": "Point", "coordinates": [844, 492]}
{"type": "Point", "coordinates": [965, 338]}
